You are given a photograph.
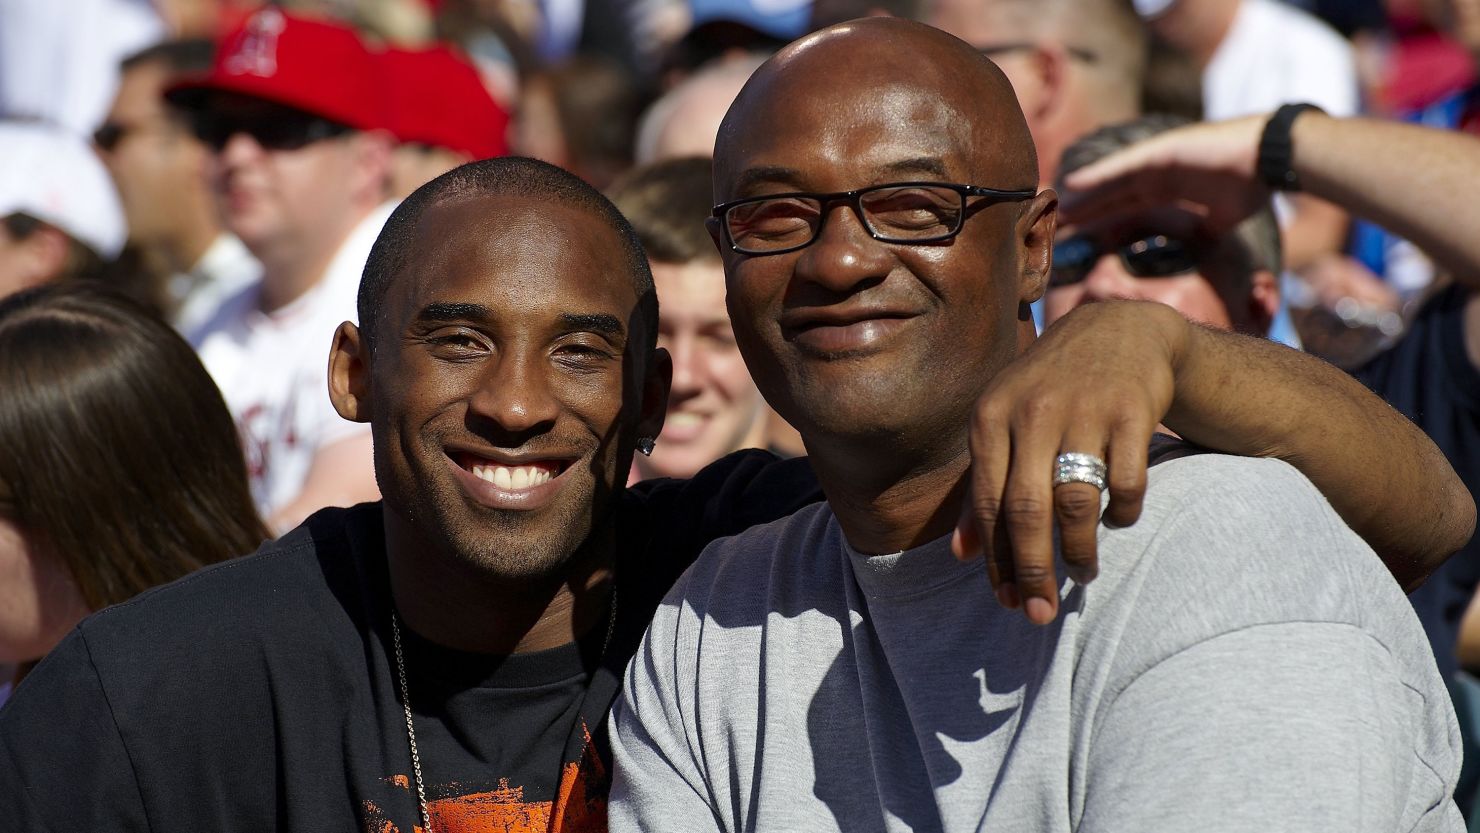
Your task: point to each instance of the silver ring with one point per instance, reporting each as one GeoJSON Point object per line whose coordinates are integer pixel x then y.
{"type": "Point", "coordinates": [1077, 467]}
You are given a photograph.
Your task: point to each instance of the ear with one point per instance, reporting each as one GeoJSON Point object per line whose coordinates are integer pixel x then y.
{"type": "Point", "coordinates": [349, 374]}
{"type": "Point", "coordinates": [1049, 65]}
{"type": "Point", "coordinates": [1264, 300]}
{"type": "Point", "coordinates": [717, 234]}
{"type": "Point", "coordinates": [655, 386]}
{"type": "Point", "coordinates": [1035, 232]}
{"type": "Point", "coordinates": [373, 162]}
{"type": "Point", "coordinates": [43, 256]}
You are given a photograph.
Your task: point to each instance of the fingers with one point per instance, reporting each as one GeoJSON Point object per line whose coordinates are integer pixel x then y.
{"type": "Point", "coordinates": [1027, 514]}
{"type": "Point", "coordinates": [1126, 481]}
{"type": "Point", "coordinates": [979, 530]}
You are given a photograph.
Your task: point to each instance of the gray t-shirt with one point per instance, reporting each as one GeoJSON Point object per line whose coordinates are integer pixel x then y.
{"type": "Point", "coordinates": [1243, 663]}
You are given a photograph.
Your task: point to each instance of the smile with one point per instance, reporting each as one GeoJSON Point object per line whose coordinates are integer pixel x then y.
{"type": "Point", "coordinates": [522, 485]}
{"type": "Point", "coordinates": [837, 338]}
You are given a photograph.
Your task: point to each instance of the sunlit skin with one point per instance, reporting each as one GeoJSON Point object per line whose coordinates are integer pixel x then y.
{"type": "Point", "coordinates": [159, 169]}
{"type": "Point", "coordinates": [39, 601]}
{"type": "Point", "coordinates": [510, 341]}
{"type": "Point", "coordinates": [1219, 293]}
{"type": "Point", "coordinates": [290, 206]}
{"type": "Point", "coordinates": [877, 351]}
{"type": "Point", "coordinates": [713, 406]}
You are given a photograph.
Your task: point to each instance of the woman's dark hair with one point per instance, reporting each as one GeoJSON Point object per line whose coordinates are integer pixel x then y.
{"type": "Point", "coordinates": [116, 449]}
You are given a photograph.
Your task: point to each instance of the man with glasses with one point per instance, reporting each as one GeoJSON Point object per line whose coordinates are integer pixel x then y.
{"type": "Point", "coordinates": [1165, 253]}
{"type": "Point", "coordinates": [159, 167]}
{"type": "Point", "coordinates": [1240, 661]}
{"type": "Point", "coordinates": [300, 168]}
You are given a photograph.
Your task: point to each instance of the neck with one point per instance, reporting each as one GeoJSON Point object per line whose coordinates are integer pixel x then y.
{"type": "Point", "coordinates": [192, 240]}
{"type": "Point", "coordinates": [454, 603]}
{"type": "Point", "coordinates": [890, 502]}
{"type": "Point", "coordinates": [290, 268]}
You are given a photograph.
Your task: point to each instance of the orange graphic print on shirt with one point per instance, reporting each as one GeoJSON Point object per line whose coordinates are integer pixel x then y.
{"type": "Point", "coordinates": [579, 805]}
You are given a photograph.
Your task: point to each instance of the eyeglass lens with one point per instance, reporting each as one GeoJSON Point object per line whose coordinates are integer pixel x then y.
{"type": "Point", "coordinates": [1152, 256]}
{"type": "Point", "coordinates": [289, 131]}
{"type": "Point", "coordinates": [900, 215]}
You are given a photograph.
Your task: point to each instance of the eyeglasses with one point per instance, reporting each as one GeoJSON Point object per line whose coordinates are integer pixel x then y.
{"type": "Point", "coordinates": [896, 212]}
{"type": "Point", "coordinates": [1152, 256]}
{"type": "Point", "coordinates": [288, 130]}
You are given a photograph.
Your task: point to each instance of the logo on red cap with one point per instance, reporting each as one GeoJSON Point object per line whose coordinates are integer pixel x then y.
{"type": "Point", "coordinates": [257, 50]}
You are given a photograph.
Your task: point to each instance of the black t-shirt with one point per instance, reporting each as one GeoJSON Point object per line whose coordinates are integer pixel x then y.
{"type": "Point", "coordinates": [261, 694]}
{"type": "Point", "coordinates": [1429, 378]}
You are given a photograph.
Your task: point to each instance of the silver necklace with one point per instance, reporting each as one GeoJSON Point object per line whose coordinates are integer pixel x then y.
{"type": "Point", "coordinates": [421, 791]}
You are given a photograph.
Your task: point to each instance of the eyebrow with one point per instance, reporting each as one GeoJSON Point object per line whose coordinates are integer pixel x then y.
{"type": "Point", "coordinates": [751, 177]}
{"type": "Point", "coordinates": [596, 322]}
{"type": "Point", "coordinates": [444, 311]}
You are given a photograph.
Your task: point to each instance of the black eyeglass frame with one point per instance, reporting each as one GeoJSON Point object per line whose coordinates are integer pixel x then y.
{"type": "Point", "coordinates": [1127, 254]}
{"type": "Point", "coordinates": [854, 199]}
{"type": "Point", "coordinates": [290, 130]}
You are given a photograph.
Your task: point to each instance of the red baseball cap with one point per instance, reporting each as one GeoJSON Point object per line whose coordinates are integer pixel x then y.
{"type": "Point", "coordinates": [438, 98]}
{"type": "Point", "coordinates": [311, 65]}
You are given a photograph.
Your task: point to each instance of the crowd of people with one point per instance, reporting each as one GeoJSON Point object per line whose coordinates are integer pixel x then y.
{"type": "Point", "coordinates": [654, 415]}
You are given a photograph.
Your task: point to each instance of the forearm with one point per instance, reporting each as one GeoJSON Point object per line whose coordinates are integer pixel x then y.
{"type": "Point", "coordinates": [1416, 181]}
{"type": "Point", "coordinates": [1317, 228]}
{"type": "Point", "coordinates": [1386, 479]}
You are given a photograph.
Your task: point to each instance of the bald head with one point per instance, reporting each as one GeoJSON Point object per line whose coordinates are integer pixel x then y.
{"type": "Point", "coordinates": [941, 85]}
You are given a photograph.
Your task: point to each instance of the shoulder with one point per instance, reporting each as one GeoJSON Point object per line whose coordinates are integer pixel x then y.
{"type": "Point", "coordinates": [1229, 544]}
{"type": "Point", "coordinates": [743, 576]}
{"type": "Point", "coordinates": [295, 590]}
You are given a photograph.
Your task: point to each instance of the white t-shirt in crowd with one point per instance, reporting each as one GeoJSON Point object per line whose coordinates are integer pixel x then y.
{"type": "Point", "coordinates": [273, 370]}
{"type": "Point", "coordinates": [1275, 54]}
{"type": "Point", "coordinates": [221, 273]}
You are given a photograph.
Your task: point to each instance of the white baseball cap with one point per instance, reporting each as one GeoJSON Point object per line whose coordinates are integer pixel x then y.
{"type": "Point", "coordinates": [56, 177]}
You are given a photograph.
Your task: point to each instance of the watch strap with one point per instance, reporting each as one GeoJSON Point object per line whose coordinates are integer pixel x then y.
{"type": "Point", "coordinates": [1276, 164]}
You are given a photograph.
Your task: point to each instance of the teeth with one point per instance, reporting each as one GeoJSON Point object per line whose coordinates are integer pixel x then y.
{"type": "Point", "coordinates": [682, 420]}
{"type": "Point", "coordinates": [514, 479]}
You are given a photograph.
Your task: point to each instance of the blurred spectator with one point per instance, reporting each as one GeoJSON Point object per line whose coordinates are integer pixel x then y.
{"type": "Point", "coordinates": [580, 116]}
{"type": "Point", "coordinates": [685, 120]}
{"type": "Point", "coordinates": [1414, 179]}
{"type": "Point", "coordinates": [713, 406]}
{"type": "Point", "coordinates": [727, 28]}
{"type": "Point", "coordinates": [1076, 65]}
{"type": "Point", "coordinates": [119, 466]}
{"type": "Point", "coordinates": [1256, 55]}
{"type": "Point", "coordinates": [1162, 252]}
{"type": "Point", "coordinates": [59, 61]}
{"type": "Point", "coordinates": [442, 114]}
{"type": "Point", "coordinates": [159, 167]}
{"type": "Point", "coordinates": [59, 215]}
{"type": "Point", "coordinates": [301, 169]}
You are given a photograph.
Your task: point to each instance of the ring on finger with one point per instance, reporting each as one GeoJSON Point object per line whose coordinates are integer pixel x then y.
{"type": "Point", "coordinates": [1078, 467]}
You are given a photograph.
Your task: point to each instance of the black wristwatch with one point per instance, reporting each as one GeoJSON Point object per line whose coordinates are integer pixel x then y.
{"type": "Point", "coordinates": [1276, 152]}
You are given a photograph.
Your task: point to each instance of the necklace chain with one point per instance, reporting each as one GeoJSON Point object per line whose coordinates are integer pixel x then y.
{"type": "Point", "coordinates": [421, 792]}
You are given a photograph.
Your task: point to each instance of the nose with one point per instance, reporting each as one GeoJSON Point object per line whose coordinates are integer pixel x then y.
{"type": "Point", "coordinates": [688, 365]}
{"type": "Point", "coordinates": [1109, 280]}
{"type": "Point", "coordinates": [240, 147]}
{"type": "Point", "coordinates": [514, 399]}
{"type": "Point", "coordinates": [844, 257]}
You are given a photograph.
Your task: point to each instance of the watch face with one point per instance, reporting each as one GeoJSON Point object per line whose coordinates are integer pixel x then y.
{"type": "Point", "coordinates": [1152, 8]}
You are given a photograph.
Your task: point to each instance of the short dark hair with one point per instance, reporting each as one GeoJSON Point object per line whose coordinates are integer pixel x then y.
{"type": "Point", "coordinates": [116, 448]}
{"type": "Point", "coordinates": [187, 56]}
{"type": "Point", "coordinates": [509, 176]}
{"type": "Point", "coordinates": [667, 203]}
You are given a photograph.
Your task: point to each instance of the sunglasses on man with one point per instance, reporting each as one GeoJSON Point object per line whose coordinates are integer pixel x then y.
{"type": "Point", "coordinates": [1151, 256]}
{"type": "Point", "coordinates": [281, 130]}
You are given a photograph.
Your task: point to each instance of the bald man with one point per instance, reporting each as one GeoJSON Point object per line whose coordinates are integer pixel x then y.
{"type": "Point", "coordinates": [1241, 662]}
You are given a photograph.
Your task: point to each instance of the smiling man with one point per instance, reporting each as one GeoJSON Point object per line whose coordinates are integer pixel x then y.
{"type": "Point", "coordinates": [1241, 662]}
{"type": "Point", "coordinates": [443, 660]}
